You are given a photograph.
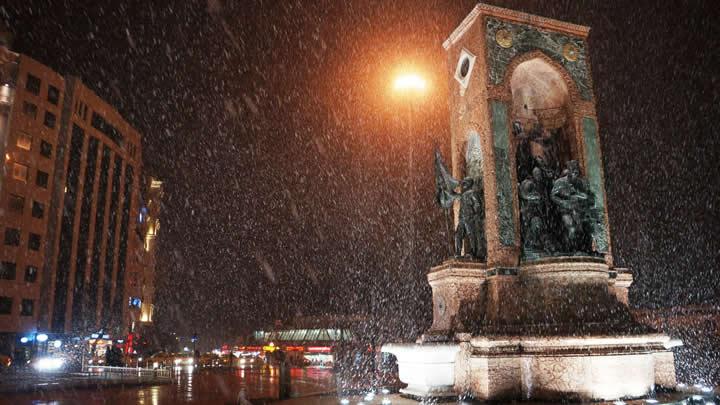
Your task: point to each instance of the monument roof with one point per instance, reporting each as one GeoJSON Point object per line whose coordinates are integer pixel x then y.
{"type": "Point", "coordinates": [517, 16]}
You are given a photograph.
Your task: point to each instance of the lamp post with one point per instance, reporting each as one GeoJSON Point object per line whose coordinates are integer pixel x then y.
{"type": "Point", "coordinates": [411, 87]}
{"type": "Point", "coordinates": [407, 89]}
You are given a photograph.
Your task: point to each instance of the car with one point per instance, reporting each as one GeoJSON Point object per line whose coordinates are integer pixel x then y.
{"type": "Point", "coordinates": [56, 362]}
{"type": "Point", "coordinates": [210, 360]}
{"type": "Point", "coordinates": [184, 359]}
{"type": "Point", "coordinates": [161, 360]}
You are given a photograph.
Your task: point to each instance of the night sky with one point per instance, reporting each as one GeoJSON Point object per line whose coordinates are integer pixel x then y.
{"type": "Point", "coordinates": [286, 159]}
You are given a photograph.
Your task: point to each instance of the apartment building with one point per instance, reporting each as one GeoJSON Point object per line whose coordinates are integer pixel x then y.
{"type": "Point", "coordinates": [73, 253]}
{"type": "Point", "coordinates": [31, 101]}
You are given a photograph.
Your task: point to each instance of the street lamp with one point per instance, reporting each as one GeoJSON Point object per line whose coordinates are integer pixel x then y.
{"type": "Point", "coordinates": [407, 89]}
{"type": "Point", "coordinates": [410, 82]}
{"type": "Point", "coordinates": [410, 86]}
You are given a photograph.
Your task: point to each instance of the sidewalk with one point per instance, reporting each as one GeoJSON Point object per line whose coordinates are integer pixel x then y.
{"type": "Point", "coordinates": [379, 399]}
{"type": "Point", "coordinates": [31, 381]}
{"type": "Point", "coordinates": [674, 398]}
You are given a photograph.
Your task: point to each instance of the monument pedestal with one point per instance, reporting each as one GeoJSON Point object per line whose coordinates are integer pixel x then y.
{"type": "Point", "coordinates": [563, 367]}
{"type": "Point", "coordinates": [458, 287]}
{"type": "Point", "coordinates": [549, 330]}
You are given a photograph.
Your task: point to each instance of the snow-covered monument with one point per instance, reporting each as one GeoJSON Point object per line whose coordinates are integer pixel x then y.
{"type": "Point", "coordinates": [531, 306]}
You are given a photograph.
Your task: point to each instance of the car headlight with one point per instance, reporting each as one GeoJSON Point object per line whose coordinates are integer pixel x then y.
{"type": "Point", "coordinates": [49, 364]}
{"type": "Point", "coordinates": [191, 361]}
{"type": "Point", "coordinates": [177, 361]}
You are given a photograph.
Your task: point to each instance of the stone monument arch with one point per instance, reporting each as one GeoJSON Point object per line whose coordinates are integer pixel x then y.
{"type": "Point", "coordinates": [540, 96]}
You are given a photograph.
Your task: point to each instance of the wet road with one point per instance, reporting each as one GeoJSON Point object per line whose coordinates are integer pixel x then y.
{"type": "Point", "coordinates": [218, 386]}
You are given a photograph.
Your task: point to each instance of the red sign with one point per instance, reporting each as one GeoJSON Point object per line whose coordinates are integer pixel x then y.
{"type": "Point", "coordinates": [129, 343]}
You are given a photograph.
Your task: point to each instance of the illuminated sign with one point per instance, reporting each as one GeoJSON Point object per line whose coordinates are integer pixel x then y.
{"type": "Point", "coordinates": [319, 349]}
{"type": "Point", "coordinates": [135, 302]}
{"type": "Point", "coordinates": [249, 348]}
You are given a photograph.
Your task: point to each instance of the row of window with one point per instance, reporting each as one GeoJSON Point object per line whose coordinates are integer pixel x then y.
{"type": "Point", "coordinates": [24, 142]}
{"type": "Point", "coordinates": [81, 110]}
{"type": "Point", "coordinates": [16, 204]}
{"type": "Point", "coordinates": [98, 122]}
{"type": "Point", "coordinates": [20, 172]}
{"type": "Point", "coordinates": [12, 238]}
{"type": "Point", "coordinates": [9, 269]}
{"type": "Point", "coordinates": [32, 85]}
{"type": "Point", "coordinates": [31, 110]}
{"type": "Point", "coordinates": [27, 306]}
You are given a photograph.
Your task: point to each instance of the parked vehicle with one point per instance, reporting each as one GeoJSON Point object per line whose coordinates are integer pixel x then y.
{"type": "Point", "coordinates": [161, 360]}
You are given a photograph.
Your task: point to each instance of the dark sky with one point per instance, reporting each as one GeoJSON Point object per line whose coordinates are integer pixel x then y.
{"type": "Point", "coordinates": [286, 160]}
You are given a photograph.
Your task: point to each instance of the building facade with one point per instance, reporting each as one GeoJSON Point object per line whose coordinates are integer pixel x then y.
{"type": "Point", "coordinates": [90, 273]}
{"type": "Point", "coordinates": [148, 230]}
{"type": "Point", "coordinates": [31, 106]}
{"type": "Point", "coordinates": [70, 189]}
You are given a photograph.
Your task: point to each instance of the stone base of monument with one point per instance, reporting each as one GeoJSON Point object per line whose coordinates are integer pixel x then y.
{"type": "Point", "coordinates": [525, 367]}
{"type": "Point", "coordinates": [550, 329]}
{"type": "Point", "coordinates": [586, 368]}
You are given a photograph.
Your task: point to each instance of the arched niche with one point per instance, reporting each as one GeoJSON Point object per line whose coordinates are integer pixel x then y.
{"type": "Point", "coordinates": [542, 106]}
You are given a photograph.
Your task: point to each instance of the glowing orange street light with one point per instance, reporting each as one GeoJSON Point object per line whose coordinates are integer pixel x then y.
{"type": "Point", "coordinates": [410, 82]}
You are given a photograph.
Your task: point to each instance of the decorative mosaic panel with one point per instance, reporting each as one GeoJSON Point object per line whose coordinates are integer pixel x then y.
{"type": "Point", "coordinates": [501, 146]}
{"type": "Point", "coordinates": [516, 39]}
{"type": "Point", "coordinates": [594, 176]}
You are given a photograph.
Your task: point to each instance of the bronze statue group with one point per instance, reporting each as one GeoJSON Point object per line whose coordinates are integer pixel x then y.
{"type": "Point", "coordinates": [557, 207]}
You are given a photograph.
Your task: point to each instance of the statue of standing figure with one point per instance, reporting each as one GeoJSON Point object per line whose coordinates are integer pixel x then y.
{"type": "Point", "coordinates": [574, 200]}
{"type": "Point", "coordinates": [470, 227]}
{"type": "Point", "coordinates": [470, 230]}
{"type": "Point", "coordinates": [535, 213]}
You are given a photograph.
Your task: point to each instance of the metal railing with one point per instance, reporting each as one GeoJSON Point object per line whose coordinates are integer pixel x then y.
{"type": "Point", "coordinates": [109, 372]}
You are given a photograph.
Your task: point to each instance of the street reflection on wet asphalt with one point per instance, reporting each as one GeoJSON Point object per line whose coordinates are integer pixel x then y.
{"type": "Point", "coordinates": [206, 386]}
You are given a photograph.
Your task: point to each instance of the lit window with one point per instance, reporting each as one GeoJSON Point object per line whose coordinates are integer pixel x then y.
{"type": "Point", "coordinates": [20, 172]}
{"type": "Point", "coordinates": [24, 141]}
{"type": "Point", "coordinates": [7, 271]}
{"type": "Point", "coordinates": [33, 84]}
{"type": "Point", "coordinates": [135, 302]}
